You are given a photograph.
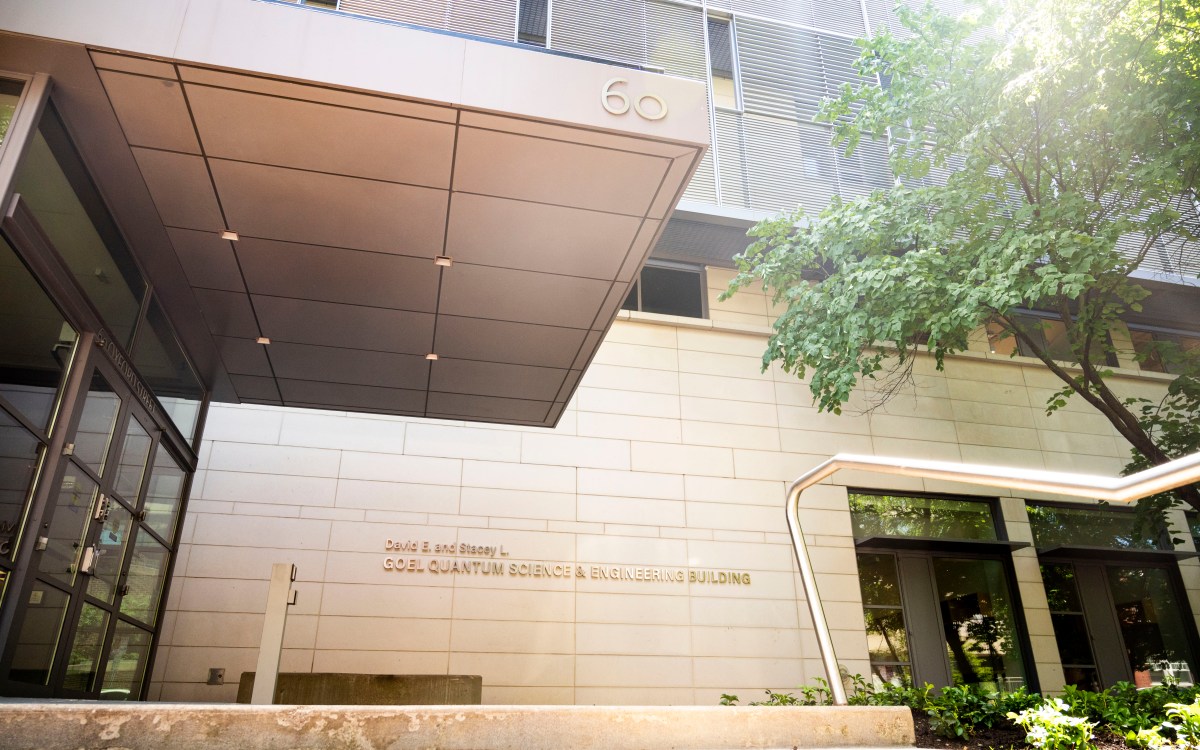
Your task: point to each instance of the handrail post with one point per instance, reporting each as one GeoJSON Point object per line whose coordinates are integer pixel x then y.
{"type": "Point", "coordinates": [279, 598]}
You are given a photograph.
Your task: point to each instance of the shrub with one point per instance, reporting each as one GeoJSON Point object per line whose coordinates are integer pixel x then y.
{"type": "Point", "coordinates": [1049, 727]}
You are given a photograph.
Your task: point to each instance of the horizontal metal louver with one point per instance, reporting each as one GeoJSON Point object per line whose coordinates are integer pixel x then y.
{"type": "Point", "coordinates": [496, 19]}
{"type": "Point", "coordinates": [786, 71]}
{"type": "Point", "coordinates": [703, 187]}
{"type": "Point", "coordinates": [675, 39]}
{"type": "Point", "coordinates": [774, 161]}
{"type": "Point", "coordinates": [731, 157]}
{"type": "Point", "coordinates": [613, 30]}
{"type": "Point", "coordinates": [843, 17]}
{"type": "Point", "coordinates": [881, 14]}
{"type": "Point", "coordinates": [489, 18]}
{"type": "Point", "coordinates": [865, 170]}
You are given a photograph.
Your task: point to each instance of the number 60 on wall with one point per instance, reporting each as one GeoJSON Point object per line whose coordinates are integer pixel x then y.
{"type": "Point", "coordinates": [608, 95]}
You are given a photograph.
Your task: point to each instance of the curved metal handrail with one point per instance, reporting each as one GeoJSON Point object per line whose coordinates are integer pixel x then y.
{"type": "Point", "coordinates": [1170, 475]}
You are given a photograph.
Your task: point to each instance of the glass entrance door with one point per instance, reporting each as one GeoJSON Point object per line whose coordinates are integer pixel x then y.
{"type": "Point", "coordinates": [101, 553]}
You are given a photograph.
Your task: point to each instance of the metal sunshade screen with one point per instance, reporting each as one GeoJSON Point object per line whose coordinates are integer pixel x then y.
{"type": "Point", "coordinates": [699, 242]}
{"type": "Point", "coordinates": [731, 145]}
{"type": "Point", "coordinates": [675, 39]}
{"type": "Point", "coordinates": [844, 17]}
{"type": "Point", "coordinates": [774, 158]}
{"type": "Point", "coordinates": [614, 30]}
{"type": "Point", "coordinates": [864, 170]}
{"type": "Point", "coordinates": [419, 12]}
{"type": "Point", "coordinates": [489, 18]}
{"type": "Point", "coordinates": [881, 14]}
{"type": "Point", "coordinates": [703, 186]}
{"type": "Point", "coordinates": [786, 71]}
{"type": "Point", "coordinates": [495, 19]}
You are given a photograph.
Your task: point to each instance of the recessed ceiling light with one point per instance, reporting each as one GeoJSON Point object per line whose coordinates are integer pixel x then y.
{"type": "Point", "coordinates": [263, 340]}
{"type": "Point", "coordinates": [431, 356]}
{"type": "Point", "coordinates": [443, 260]}
{"type": "Point", "coordinates": [228, 235]}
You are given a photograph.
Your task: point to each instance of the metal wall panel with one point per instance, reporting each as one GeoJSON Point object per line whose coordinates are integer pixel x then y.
{"type": "Point", "coordinates": [614, 29]}
{"type": "Point", "coordinates": [844, 16]}
{"type": "Point", "coordinates": [731, 152]}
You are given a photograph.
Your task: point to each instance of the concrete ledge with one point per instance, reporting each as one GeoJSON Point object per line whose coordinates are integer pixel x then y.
{"type": "Point", "coordinates": [152, 726]}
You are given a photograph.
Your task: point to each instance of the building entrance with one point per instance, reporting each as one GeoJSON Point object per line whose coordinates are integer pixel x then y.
{"type": "Point", "coordinates": [90, 603]}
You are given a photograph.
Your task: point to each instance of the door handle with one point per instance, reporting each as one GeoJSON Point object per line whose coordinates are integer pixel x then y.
{"type": "Point", "coordinates": [88, 565]}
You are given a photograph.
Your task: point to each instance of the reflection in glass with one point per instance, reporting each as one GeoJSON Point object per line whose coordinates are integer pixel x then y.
{"type": "Point", "coordinates": [887, 636]}
{"type": "Point", "coordinates": [96, 422]}
{"type": "Point", "coordinates": [126, 663]}
{"type": "Point", "coordinates": [1151, 625]}
{"type": "Point", "coordinates": [979, 624]}
{"type": "Point", "coordinates": [131, 466]}
{"type": "Point", "coordinates": [72, 509]}
{"type": "Point", "coordinates": [20, 452]}
{"type": "Point", "coordinates": [147, 573]}
{"type": "Point", "coordinates": [85, 651]}
{"type": "Point", "coordinates": [942, 518]}
{"type": "Point", "coordinates": [57, 188]}
{"type": "Point", "coordinates": [160, 359]}
{"type": "Point", "coordinates": [1055, 526]}
{"type": "Point", "coordinates": [163, 494]}
{"type": "Point", "coordinates": [10, 95]}
{"type": "Point", "coordinates": [110, 553]}
{"type": "Point", "coordinates": [36, 345]}
{"type": "Point", "coordinates": [34, 653]}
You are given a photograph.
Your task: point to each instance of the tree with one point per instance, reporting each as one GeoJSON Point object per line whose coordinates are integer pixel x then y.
{"type": "Point", "coordinates": [1071, 129]}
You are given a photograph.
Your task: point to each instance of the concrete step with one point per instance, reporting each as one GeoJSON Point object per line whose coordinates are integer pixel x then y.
{"type": "Point", "coordinates": [75, 725]}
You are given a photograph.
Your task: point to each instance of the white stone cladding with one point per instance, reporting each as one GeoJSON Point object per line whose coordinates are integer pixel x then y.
{"type": "Point", "coordinates": [673, 455]}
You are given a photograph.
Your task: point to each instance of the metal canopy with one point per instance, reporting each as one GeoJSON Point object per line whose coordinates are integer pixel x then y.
{"type": "Point", "coordinates": [347, 156]}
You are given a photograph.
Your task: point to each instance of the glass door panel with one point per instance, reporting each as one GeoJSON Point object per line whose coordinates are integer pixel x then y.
{"type": "Point", "coordinates": [145, 579]}
{"type": "Point", "coordinates": [84, 661]}
{"type": "Point", "coordinates": [96, 422]}
{"type": "Point", "coordinates": [1152, 627]}
{"type": "Point", "coordinates": [163, 494]}
{"type": "Point", "coordinates": [979, 623]}
{"type": "Point", "coordinates": [20, 451]}
{"type": "Point", "coordinates": [1070, 626]}
{"type": "Point", "coordinates": [33, 657]}
{"type": "Point", "coordinates": [126, 663]}
{"type": "Point", "coordinates": [887, 636]}
{"type": "Point", "coordinates": [110, 553]}
{"type": "Point", "coordinates": [64, 545]}
{"type": "Point", "coordinates": [131, 466]}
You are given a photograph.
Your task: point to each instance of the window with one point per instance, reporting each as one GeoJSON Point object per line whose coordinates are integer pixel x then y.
{"type": "Point", "coordinates": [1163, 351]}
{"type": "Point", "coordinates": [936, 593]}
{"type": "Point", "coordinates": [1083, 526]}
{"type": "Point", "coordinates": [10, 95]}
{"type": "Point", "coordinates": [722, 62]}
{"type": "Point", "coordinates": [1050, 335]}
{"type": "Point", "coordinates": [668, 289]}
{"type": "Point", "coordinates": [532, 18]}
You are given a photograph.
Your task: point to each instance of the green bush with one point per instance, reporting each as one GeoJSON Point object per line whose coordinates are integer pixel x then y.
{"type": "Point", "coordinates": [1049, 727]}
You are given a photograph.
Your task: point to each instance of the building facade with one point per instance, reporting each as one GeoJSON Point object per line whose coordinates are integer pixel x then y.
{"type": "Point", "coordinates": [394, 292]}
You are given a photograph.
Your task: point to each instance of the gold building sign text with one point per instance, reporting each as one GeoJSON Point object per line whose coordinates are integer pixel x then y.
{"type": "Point", "coordinates": [421, 557]}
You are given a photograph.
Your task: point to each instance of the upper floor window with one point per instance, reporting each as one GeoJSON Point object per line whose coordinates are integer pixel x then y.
{"type": "Point", "coordinates": [1164, 351]}
{"type": "Point", "coordinates": [532, 19]}
{"type": "Point", "coordinates": [873, 515]}
{"type": "Point", "coordinates": [1084, 526]}
{"type": "Point", "coordinates": [668, 289]}
{"type": "Point", "coordinates": [1048, 334]}
{"type": "Point", "coordinates": [722, 63]}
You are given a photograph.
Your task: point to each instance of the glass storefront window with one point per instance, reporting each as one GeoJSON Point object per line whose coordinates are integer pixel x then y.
{"type": "Point", "coordinates": [37, 343]}
{"type": "Point", "coordinates": [887, 636]}
{"type": "Point", "coordinates": [131, 466]}
{"type": "Point", "coordinates": [126, 663]}
{"type": "Point", "coordinates": [10, 96]}
{"type": "Point", "coordinates": [147, 574]}
{"type": "Point", "coordinates": [1151, 625]}
{"type": "Point", "coordinates": [84, 661]}
{"type": "Point", "coordinates": [110, 553]}
{"type": "Point", "coordinates": [97, 420]}
{"type": "Point", "coordinates": [37, 642]}
{"type": "Point", "coordinates": [68, 524]}
{"type": "Point", "coordinates": [979, 624]}
{"type": "Point", "coordinates": [1070, 626]}
{"type": "Point", "coordinates": [1055, 526]}
{"type": "Point", "coordinates": [54, 182]}
{"type": "Point", "coordinates": [164, 493]}
{"type": "Point", "coordinates": [160, 360]}
{"type": "Point", "coordinates": [20, 452]}
{"type": "Point", "coordinates": [928, 517]}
